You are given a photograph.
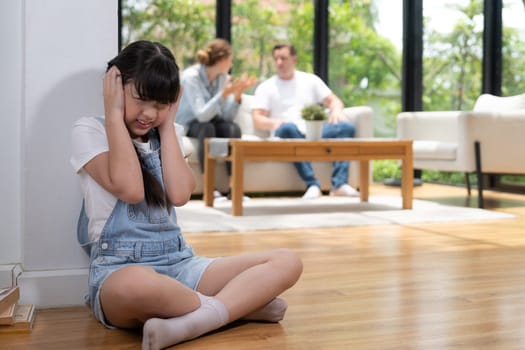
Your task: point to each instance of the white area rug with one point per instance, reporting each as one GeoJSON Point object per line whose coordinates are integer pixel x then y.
{"type": "Point", "coordinates": [289, 213]}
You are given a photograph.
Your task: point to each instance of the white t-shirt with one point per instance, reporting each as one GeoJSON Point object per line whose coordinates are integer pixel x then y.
{"type": "Point", "coordinates": [89, 140]}
{"type": "Point", "coordinates": [284, 99]}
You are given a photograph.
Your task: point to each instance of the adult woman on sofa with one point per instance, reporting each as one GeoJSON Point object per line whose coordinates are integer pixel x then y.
{"type": "Point", "coordinates": [211, 98]}
{"type": "Point", "coordinates": [132, 173]}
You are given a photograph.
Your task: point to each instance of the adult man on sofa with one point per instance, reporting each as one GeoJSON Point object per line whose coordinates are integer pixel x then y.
{"type": "Point", "coordinates": [277, 108]}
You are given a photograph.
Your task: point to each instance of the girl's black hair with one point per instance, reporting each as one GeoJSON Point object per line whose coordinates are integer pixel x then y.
{"type": "Point", "coordinates": [152, 68]}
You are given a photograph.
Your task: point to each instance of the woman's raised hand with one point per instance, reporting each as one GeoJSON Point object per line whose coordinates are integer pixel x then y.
{"type": "Point", "coordinates": [239, 85]}
{"type": "Point", "coordinates": [113, 94]}
{"type": "Point", "coordinates": [244, 82]}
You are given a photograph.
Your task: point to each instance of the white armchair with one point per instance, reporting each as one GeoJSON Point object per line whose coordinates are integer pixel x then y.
{"type": "Point", "coordinates": [488, 139]}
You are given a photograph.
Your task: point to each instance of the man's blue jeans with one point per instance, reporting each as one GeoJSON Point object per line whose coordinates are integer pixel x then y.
{"type": "Point", "coordinates": [330, 131]}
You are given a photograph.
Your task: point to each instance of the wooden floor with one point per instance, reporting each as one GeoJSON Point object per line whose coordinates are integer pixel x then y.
{"type": "Point", "coordinates": [454, 285]}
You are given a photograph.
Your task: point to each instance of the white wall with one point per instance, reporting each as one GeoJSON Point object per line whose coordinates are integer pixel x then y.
{"type": "Point", "coordinates": [10, 145]}
{"type": "Point", "coordinates": [59, 58]}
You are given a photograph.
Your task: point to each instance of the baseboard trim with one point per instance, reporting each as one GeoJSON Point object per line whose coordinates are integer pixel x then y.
{"type": "Point", "coordinates": [9, 274]}
{"type": "Point", "coordinates": [53, 288]}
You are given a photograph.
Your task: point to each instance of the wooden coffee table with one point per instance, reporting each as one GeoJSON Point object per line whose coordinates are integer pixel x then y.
{"type": "Point", "coordinates": [293, 150]}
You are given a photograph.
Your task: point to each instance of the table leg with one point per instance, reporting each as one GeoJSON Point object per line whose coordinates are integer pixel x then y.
{"type": "Point", "coordinates": [364, 168]}
{"type": "Point", "coordinates": [209, 176]}
{"type": "Point", "coordinates": [237, 183]}
{"type": "Point", "coordinates": [407, 178]}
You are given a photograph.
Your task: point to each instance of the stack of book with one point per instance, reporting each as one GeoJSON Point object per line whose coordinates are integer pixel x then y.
{"type": "Point", "coordinates": [14, 317]}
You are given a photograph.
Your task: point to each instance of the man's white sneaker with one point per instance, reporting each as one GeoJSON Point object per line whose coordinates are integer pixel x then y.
{"type": "Point", "coordinates": [218, 197]}
{"type": "Point", "coordinates": [344, 191]}
{"type": "Point", "coordinates": [312, 192]}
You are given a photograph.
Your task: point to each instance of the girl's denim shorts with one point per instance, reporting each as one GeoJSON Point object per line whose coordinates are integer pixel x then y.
{"type": "Point", "coordinates": [181, 265]}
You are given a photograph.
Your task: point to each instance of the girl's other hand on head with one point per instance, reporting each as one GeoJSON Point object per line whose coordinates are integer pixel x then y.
{"type": "Point", "coordinates": [172, 111]}
{"type": "Point", "coordinates": [113, 94]}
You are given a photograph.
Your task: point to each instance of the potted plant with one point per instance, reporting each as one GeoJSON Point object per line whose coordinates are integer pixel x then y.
{"type": "Point", "coordinates": [314, 117]}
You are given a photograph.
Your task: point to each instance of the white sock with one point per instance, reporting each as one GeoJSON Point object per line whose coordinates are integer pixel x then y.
{"type": "Point", "coordinates": [272, 312]}
{"type": "Point", "coordinates": [159, 333]}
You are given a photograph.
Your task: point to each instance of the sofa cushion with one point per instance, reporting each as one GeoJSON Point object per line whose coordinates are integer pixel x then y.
{"type": "Point", "coordinates": [219, 147]}
{"type": "Point", "coordinates": [244, 118]}
{"type": "Point", "coordinates": [434, 150]}
{"type": "Point", "coordinates": [492, 103]}
{"type": "Point", "coordinates": [190, 145]}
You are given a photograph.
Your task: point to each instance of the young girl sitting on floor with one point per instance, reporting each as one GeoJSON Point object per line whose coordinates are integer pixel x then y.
{"type": "Point", "coordinates": [133, 173]}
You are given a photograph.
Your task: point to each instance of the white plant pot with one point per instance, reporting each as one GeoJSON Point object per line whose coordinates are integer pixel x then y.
{"type": "Point", "coordinates": [314, 129]}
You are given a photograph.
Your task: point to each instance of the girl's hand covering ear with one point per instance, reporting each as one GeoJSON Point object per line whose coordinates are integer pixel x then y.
{"type": "Point", "coordinates": [113, 94]}
{"type": "Point", "coordinates": [172, 112]}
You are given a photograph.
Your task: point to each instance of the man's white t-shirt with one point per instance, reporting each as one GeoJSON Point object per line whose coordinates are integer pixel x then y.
{"type": "Point", "coordinates": [284, 99]}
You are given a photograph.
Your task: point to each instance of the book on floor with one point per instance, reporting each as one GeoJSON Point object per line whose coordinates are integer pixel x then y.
{"type": "Point", "coordinates": [8, 316]}
{"type": "Point", "coordinates": [8, 297]}
{"type": "Point", "coordinates": [24, 319]}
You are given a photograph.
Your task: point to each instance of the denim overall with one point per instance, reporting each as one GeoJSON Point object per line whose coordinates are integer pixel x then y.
{"type": "Point", "coordinates": [136, 234]}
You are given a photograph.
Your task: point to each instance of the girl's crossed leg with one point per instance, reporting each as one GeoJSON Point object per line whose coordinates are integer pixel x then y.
{"type": "Point", "coordinates": [247, 282]}
{"type": "Point", "coordinates": [230, 288]}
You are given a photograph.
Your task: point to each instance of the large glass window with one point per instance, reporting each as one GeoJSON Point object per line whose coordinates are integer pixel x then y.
{"type": "Point", "coordinates": [365, 49]}
{"type": "Point", "coordinates": [452, 62]}
{"type": "Point", "coordinates": [258, 25]}
{"type": "Point", "coordinates": [365, 43]}
{"type": "Point", "coordinates": [364, 64]}
{"type": "Point", "coordinates": [452, 54]}
{"type": "Point", "coordinates": [184, 26]}
{"type": "Point", "coordinates": [513, 75]}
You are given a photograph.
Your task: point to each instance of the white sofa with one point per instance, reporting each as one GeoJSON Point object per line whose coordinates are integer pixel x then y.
{"type": "Point", "coordinates": [487, 140]}
{"type": "Point", "coordinates": [277, 176]}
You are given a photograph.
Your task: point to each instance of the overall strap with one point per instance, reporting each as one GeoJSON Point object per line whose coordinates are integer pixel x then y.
{"type": "Point", "coordinates": [82, 231]}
